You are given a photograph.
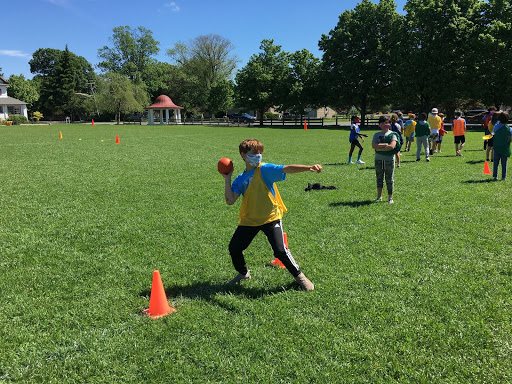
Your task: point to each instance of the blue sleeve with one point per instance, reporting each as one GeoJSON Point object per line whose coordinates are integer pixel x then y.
{"type": "Point", "coordinates": [271, 173]}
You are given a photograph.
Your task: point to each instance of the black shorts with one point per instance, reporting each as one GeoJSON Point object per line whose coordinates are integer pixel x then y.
{"type": "Point", "coordinates": [459, 139]}
{"type": "Point", "coordinates": [489, 142]}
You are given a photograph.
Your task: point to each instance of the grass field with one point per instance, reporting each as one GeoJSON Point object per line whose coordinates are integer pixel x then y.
{"type": "Point", "coordinates": [415, 292]}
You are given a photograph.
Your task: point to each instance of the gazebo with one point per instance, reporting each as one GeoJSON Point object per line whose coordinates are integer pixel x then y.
{"type": "Point", "coordinates": [161, 104]}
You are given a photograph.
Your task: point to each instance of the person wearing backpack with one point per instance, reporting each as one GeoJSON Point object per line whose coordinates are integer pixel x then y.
{"type": "Point", "coordinates": [502, 136]}
{"type": "Point", "coordinates": [384, 143]}
{"type": "Point", "coordinates": [395, 127]}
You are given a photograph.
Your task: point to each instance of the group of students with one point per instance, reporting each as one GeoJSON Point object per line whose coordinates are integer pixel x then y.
{"type": "Point", "coordinates": [428, 132]}
{"type": "Point", "coordinates": [262, 207]}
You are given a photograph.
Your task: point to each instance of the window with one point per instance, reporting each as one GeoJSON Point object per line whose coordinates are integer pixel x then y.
{"type": "Point", "coordinates": [13, 110]}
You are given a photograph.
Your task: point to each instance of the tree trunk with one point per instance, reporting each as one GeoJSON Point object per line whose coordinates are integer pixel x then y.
{"type": "Point", "coordinates": [362, 108]}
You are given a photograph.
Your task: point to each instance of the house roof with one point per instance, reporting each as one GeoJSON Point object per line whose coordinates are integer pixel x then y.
{"type": "Point", "coordinates": [3, 81]}
{"type": "Point", "coordinates": [164, 102]}
{"type": "Point", "coordinates": [11, 101]}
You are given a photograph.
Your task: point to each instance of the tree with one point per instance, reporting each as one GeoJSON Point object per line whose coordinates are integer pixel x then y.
{"type": "Point", "coordinates": [262, 83]}
{"type": "Point", "coordinates": [438, 37]}
{"type": "Point", "coordinates": [358, 54]}
{"type": "Point", "coordinates": [493, 44]}
{"type": "Point", "coordinates": [206, 62]}
{"type": "Point", "coordinates": [119, 95]}
{"type": "Point", "coordinates": [131, 52]}
{"type": "Point", "coordinates": [23, 89]}
{"type": "Point", "coordinates": [58, 95]}
{"type": "Point", "coordinates": [220, 97]}
{"type": "Point", "coordinates": [302, 82]}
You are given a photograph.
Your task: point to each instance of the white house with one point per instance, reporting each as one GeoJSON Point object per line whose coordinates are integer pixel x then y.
{"type": "Point", "coordinates": [10, 106]}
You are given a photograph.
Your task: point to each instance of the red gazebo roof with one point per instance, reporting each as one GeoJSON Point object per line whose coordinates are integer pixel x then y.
{"type": "Point", "coordinates": [164, 102]}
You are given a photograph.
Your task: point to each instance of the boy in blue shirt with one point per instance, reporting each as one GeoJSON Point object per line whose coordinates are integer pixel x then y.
{"type": "Point", "coordinates": [261, 209]}
{"type": "Point", "coordinates": [354, 140]}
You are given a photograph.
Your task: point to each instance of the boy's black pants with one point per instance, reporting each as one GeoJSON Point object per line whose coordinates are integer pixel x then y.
{"type": "Point", "coordinates": [244, 235]}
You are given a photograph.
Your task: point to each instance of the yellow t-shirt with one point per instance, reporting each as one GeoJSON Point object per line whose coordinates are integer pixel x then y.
{"type": "Point", "coordinates": [410, 128]}
{"type": "Point", "coordinates": [435, 123]}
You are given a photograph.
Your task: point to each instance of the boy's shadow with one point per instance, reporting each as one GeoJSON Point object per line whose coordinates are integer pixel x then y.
{"type": "Point", "coordinates": [353, 204]}
{"type": "Point", "coordinates": [475, 161]}
{"type": "Point", "coordinates": [209, 292]}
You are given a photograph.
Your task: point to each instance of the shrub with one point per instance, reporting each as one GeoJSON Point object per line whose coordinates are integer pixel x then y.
{"type": "Point", "coordinates": [271, 115]}
{"type": "Point", "coordinates": [18, 119]}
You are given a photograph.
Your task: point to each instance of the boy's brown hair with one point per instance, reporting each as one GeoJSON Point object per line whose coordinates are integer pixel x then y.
{"type": "Point", "coordinates": [503, 117]}
{"type": "Point", "coordinates": [383, 119]}
{"type": "Point", "coordinates": [249, 144]}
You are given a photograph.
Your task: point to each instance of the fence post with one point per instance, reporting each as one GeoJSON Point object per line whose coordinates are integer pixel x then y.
{"type": "Point", "coordinates": [322, 121]}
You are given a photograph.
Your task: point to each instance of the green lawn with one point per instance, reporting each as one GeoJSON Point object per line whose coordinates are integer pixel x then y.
{"type": "Point", "coordinates": [418, 291]}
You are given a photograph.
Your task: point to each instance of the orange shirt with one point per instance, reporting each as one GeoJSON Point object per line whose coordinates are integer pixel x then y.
{"type": "Point", "coordinates": [459, 127]}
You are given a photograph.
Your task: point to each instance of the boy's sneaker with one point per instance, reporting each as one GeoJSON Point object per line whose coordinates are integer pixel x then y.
{"type": "Point", "coordinates": [390, 201]}
{"type": "Point", "coordinates": [304, 282]}
{"type": "Point", "coordinates": [238, 278]}
{"type": "Point", "coordinates": [377, 199]}
{"type": "Point", "coordinates": [351, 162]}
{"type": "Point", "coordinates": [399, 166]}
{"type": "Point", "coordinates": [360, 162]}
{"type": "Point", "coordinates": [418, 159]}
{"type": "Point", "coordinates": [428, 159]}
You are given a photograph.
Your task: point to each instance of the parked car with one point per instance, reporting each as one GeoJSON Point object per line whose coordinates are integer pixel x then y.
{"type": "Point", "coordinates": [243, 118]}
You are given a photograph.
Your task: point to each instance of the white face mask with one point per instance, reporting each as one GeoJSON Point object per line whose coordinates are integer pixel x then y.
{"type": "Point", "coordinates": [253, 159]}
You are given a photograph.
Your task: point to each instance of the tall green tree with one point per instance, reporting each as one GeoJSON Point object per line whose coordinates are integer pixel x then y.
{"type": "Point", "coordinates": [302, 87]}
{"type": "Point", "coordinates": [131, 52]}
{"type": "Point", "coordinates": [438, 34]}
{"type": "Point", "coordinates": [263, 82]}
{"type": "Point", "coordinates": [220, 97]}
{"type": "Point", "coordinates": [119, 95]}
{"type": "Point", "coordinates": [358, 54]}
{"type": "Point", "coordinates": [207, 62]}
{"type": "Point", "coordinates": [491, 51]}
{"type": "Point", "coordinates": [48, 66]}
{"type": "Point", "coordinates": [23, 89]}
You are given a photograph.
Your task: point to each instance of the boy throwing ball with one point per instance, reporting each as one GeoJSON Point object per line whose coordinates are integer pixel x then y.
{"type": "Point", "coordinates": [261, 209]}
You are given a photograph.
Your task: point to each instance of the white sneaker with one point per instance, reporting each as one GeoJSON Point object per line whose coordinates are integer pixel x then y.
{"type": "Point", "coordinates": [360, 162]}
{"type": "Point", "coordinates": [304, 282]}
{"type": "Point", "coordinates": [351, 162]}
{"type": "Point", "coordinates": [238, 278]}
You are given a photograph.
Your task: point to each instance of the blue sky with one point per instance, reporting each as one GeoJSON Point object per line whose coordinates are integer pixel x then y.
{"type": "Point", "coordinates": [86, 25]}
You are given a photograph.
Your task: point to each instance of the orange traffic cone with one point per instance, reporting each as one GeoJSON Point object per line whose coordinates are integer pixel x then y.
{"type": "Point", "coordinates": [276, 262]}
{"type": "Point", "coordinates": [117, 139]}
{"type": "Point", "coordinates": [93, 122]}
{"type": "Point", "coordinates": [60, 134]}
{"type": "Point", "coordinates": [487, 170]}
{"type": "Point", "coordinates": [158, 305]}
{"type": "Point", "coordinates": [305, 124]}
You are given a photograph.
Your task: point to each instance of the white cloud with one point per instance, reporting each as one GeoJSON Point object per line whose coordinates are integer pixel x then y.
{"type": "Point", "coordinates": [173, 6]}
{"type": "Point", "coordinates": [14, 53]}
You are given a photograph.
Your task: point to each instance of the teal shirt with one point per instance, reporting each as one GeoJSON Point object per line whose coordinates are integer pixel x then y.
{"type": "Point", "coordinates": [502, 140]}
{"type": "Point", "coordinates": [386, 138]}
{"type": "Point", "coordinates": [422, 129]}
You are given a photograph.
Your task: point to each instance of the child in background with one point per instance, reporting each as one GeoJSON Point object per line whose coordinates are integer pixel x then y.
{"type": "Point", "coordinates": [422, 136]}
{"type": "Point", "coordinates": [442, 131]}
{"type": "Point", "coordinates": [502, 136]}
{"type": "Point", "coordinates": [490, 142]}
{"type": "Point", "coordinates": [384, 143]}
{"type": "Point", "coordinates": [486, 120]}
{"type": "Point", "coordinates": [459, 132]}
{"type": "Point", "coordinates": [354, 140]}
{"type": "Point", "coordinates": [395, 127]}
{"type": "Point", "coordinates": [261, 209]}
{"type": "Point", "coordinates": [435, 124]}
{"type": "Point", "coordinates": [410, 126]}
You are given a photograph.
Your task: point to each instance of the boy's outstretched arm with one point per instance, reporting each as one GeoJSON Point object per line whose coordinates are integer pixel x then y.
{"type": "Point", "coordinates": [231, 196]}
{"type": "Point", "coordinates": [302, 168]}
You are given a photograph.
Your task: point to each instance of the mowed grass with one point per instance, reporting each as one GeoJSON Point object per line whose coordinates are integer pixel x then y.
{"type": "Point", "coordinates": [418, 291]}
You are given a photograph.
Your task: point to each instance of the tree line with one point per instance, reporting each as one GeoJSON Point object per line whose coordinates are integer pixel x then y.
{"type": "Point", "coordinates": [446, 53]}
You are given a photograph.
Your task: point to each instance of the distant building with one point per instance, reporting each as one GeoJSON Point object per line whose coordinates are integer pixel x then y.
{"type": "Point", "coordinates": [9, 106]}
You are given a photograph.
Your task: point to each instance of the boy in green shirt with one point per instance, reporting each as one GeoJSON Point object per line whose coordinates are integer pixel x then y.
{"type": "Point", "coordinates": [502, 136]}
{"type": "Point", "coordinates": [422, 136]}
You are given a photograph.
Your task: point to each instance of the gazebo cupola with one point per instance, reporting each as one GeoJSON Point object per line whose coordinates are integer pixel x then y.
{"type": "Point", "coordinates": [161, 104]}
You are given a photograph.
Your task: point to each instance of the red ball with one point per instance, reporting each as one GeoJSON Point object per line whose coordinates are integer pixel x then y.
{"type": "Point", "coordinates": [225, 165]}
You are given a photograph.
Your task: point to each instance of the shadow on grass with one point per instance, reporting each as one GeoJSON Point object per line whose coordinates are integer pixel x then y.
{"type": "Point", "coordinates": [353, 204]}
{"type": "Point", "coordinates": [475, 161]}
{"type": "Point", "coordinates": [209, 291]}
{"type": "Point", "coordinates": [478, 181]}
